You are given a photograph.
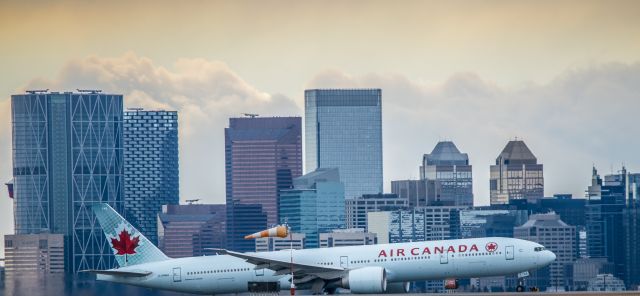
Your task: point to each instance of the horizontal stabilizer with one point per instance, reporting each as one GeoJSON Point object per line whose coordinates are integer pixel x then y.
{"type": "Point", "coordinates": [122, 273]}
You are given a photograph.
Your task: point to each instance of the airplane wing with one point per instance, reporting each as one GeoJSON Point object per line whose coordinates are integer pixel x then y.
{"type": "Point", "coordinates": [303, 272]}
{"type": "Point", "coordinates": [122, 273]}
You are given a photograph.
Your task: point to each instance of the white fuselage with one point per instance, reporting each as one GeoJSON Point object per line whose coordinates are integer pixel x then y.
{"type": "Point", "coordinates": [463, 258]}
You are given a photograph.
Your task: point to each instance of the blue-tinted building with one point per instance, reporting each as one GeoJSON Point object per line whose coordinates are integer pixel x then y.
{"type": "Point", "coordinates": [243, 219]}
{"type": "Point", "coordinates": [68, 155]}
{"type": "Point", "coordinates": [150, 167]}
{"type": "Point", "coordinates": [343, 129]}
{"type": "Point", "coordinates": [315, 205]}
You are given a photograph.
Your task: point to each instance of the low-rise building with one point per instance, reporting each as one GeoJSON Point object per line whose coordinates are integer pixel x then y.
{"type": "Point", "coordinates": [269, 244]}
{"type": "Point", "coordinates": [357, 208]}
{"type": "Point", "coordinates": [347, 237]}
{"type": "Point", "coordinates": [189, 230]}
{"type": "Point", "coordinates": [33, 254]}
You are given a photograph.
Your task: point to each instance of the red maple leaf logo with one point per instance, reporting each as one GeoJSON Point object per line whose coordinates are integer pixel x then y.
{"type": "Point", "coordinates": [491, 247]}
{"type": "Point", "coordinates": [125, 245]}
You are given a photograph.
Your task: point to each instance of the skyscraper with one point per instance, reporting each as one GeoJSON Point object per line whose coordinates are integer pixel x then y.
{"type": "Point", "coordinates": [516, 175]}
{"type": "Point", "coordinates": [314, 205]}
{"type": "Point", "coordinates": [262, 156]}
{"type": "Point", "coordinates": [451, 171]}
{"type": "Point", "coordinates": [343, 129]}
{"type": "Point", "coordinates": [150, 166]}
{"type": "Point", "coordinates": [68, 155]}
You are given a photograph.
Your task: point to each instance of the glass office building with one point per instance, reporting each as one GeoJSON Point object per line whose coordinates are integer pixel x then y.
{"type": "Point", "coordinates": [343, 129]}
{"type": "Point", "coordinates": [516, 175]}
{"type": "Point", "coordinates": [315, 205]}
{"type": "Point", "coordinates": [451, 173]}
{"type": "Point", "coordinates": [68, 155]}
{"type": "Point", "coordinates": [262, 156]}
{"type": "Point", "coordinates": [150, 167]}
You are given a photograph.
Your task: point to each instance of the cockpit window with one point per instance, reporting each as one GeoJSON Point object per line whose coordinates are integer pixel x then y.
{"type": "Point", "coordinates": [538, 249]}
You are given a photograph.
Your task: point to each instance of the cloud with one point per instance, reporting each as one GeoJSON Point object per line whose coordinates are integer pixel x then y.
{"type": "Point", "coordinates": [205, 93]}
{"type": "Point", "coordinates": [585, 116]}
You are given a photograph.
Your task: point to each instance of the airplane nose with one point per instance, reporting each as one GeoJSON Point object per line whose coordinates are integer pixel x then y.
{"type": "Point", "coordinates": [551, 257]}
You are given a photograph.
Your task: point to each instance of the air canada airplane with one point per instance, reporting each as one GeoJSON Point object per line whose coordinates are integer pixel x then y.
{"type": "Point", "coordinates": [369, 269]}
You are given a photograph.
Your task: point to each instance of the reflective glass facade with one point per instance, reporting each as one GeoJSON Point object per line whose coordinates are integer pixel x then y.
{"type": "Point", "coordinates": [150, 167]}
{"type": "Point", "coordinates": [67, 155]}
{"type": "Point", "coordinates": [343, 129]}
{"type": "Point", "coordinates": [314, 206]}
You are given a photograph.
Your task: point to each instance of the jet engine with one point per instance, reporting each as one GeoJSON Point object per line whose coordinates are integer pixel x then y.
{"type": "Point", "coordinates": [366, 280]}
{"type": "Point", "coordinates": [451, 284]}
{"type": "Point", "coordinates": [398, 288]}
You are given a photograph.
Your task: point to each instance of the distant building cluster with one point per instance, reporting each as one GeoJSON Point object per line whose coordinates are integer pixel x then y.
{"type": "Point", "coordinates": [75, 149]}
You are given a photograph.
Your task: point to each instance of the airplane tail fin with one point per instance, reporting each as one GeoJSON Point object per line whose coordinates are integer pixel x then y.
{"type": "Point", "coordinates": [129, 245]}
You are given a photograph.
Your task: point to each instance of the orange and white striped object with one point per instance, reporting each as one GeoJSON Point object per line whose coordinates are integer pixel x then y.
{"type": "Point", "coordinates": [278, 231]}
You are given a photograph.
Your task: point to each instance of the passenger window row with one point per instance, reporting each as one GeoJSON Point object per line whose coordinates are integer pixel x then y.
{"type": "Point", "coordinates": [217, 271]}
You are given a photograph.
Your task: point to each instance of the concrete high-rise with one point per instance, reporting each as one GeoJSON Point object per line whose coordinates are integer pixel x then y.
{"type": "Point", "coordinates": [315, 205]}
{"type": "Point", "coordinates": [516, 175]}
{"type": "Point", "coordinates": [150, 166]}
{"type": "Point", "coordinates": [551, 232]}
{"type": "Point", "coordinates": [68, 155]}
{"type": "Point", "coordinates": [262, 156]}
{"type": "Point", "coordinates": [451, 172]}
{"type": "Point", "coordinates": [343, 129]}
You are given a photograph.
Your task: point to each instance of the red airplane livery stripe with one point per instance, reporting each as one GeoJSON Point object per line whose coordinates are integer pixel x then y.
{"type": "Point", "coordinates": [401, 252]}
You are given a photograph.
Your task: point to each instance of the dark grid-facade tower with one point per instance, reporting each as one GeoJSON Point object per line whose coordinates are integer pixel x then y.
{"type": "Point", "coordinates": [68, 155]}
{"type": "Point", "coordinates": [150, 166]}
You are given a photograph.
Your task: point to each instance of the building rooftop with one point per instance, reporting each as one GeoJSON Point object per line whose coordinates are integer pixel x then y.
{"type": "Point", "coordinates": [516, 152]}
{"type": "Point", "coordinates": [446, 153]}
{"type": "Point", "coordinates": [544, 220]}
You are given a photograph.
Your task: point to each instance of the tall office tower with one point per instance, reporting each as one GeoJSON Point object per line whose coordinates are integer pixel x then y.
{"type": "Point", "coordinates": [516, 175]}
{"type": "Point", "coordinates": [551, 232]}
{"type": "Point", "coordinates": [150, 167]}
{"type": "Point", "coordinates": [343, 129]}
{"type": "Point", "coordinates": [314, 205]}
{"type": "Point", "coordinates": [189, 230]}
{"type": "Point", "coordinates": [451, 172]}
{"type": "Point", "coordinates": [262, 156]}
{"type": "Point", "coordinates": [68, 155]}
{"type": "Point", "coordinates": [631, 225]}
{"type": "Point", "coordinates": [34, 254]}
{"type": "Point", "coordinates": [413, 190]}
{"type": "Point", "coordinates": [604, 223]}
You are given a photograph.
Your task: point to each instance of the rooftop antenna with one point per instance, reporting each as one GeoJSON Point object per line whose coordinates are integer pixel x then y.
{"type": "Point", "coordinates": [252, 115]}
{"type": "Point", "coordinates": [90, 91]}
{"type": "Point", "coordinates": [37, 91]}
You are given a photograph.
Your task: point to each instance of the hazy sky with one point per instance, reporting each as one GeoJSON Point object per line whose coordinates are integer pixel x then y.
{"type": "Point", "coordinates": [562, 75]}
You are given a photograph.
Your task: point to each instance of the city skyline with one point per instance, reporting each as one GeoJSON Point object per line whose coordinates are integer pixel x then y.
{"type": "Point", "coordinates": [469, 76]}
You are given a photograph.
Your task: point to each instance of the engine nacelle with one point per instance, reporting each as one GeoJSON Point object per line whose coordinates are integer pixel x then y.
{"type": "Point", "coordinates": [366, 280]}
{"type": "Point", "coordinates": [398, 288]}
{"type": "Point", "coordinates": [451, 284]}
